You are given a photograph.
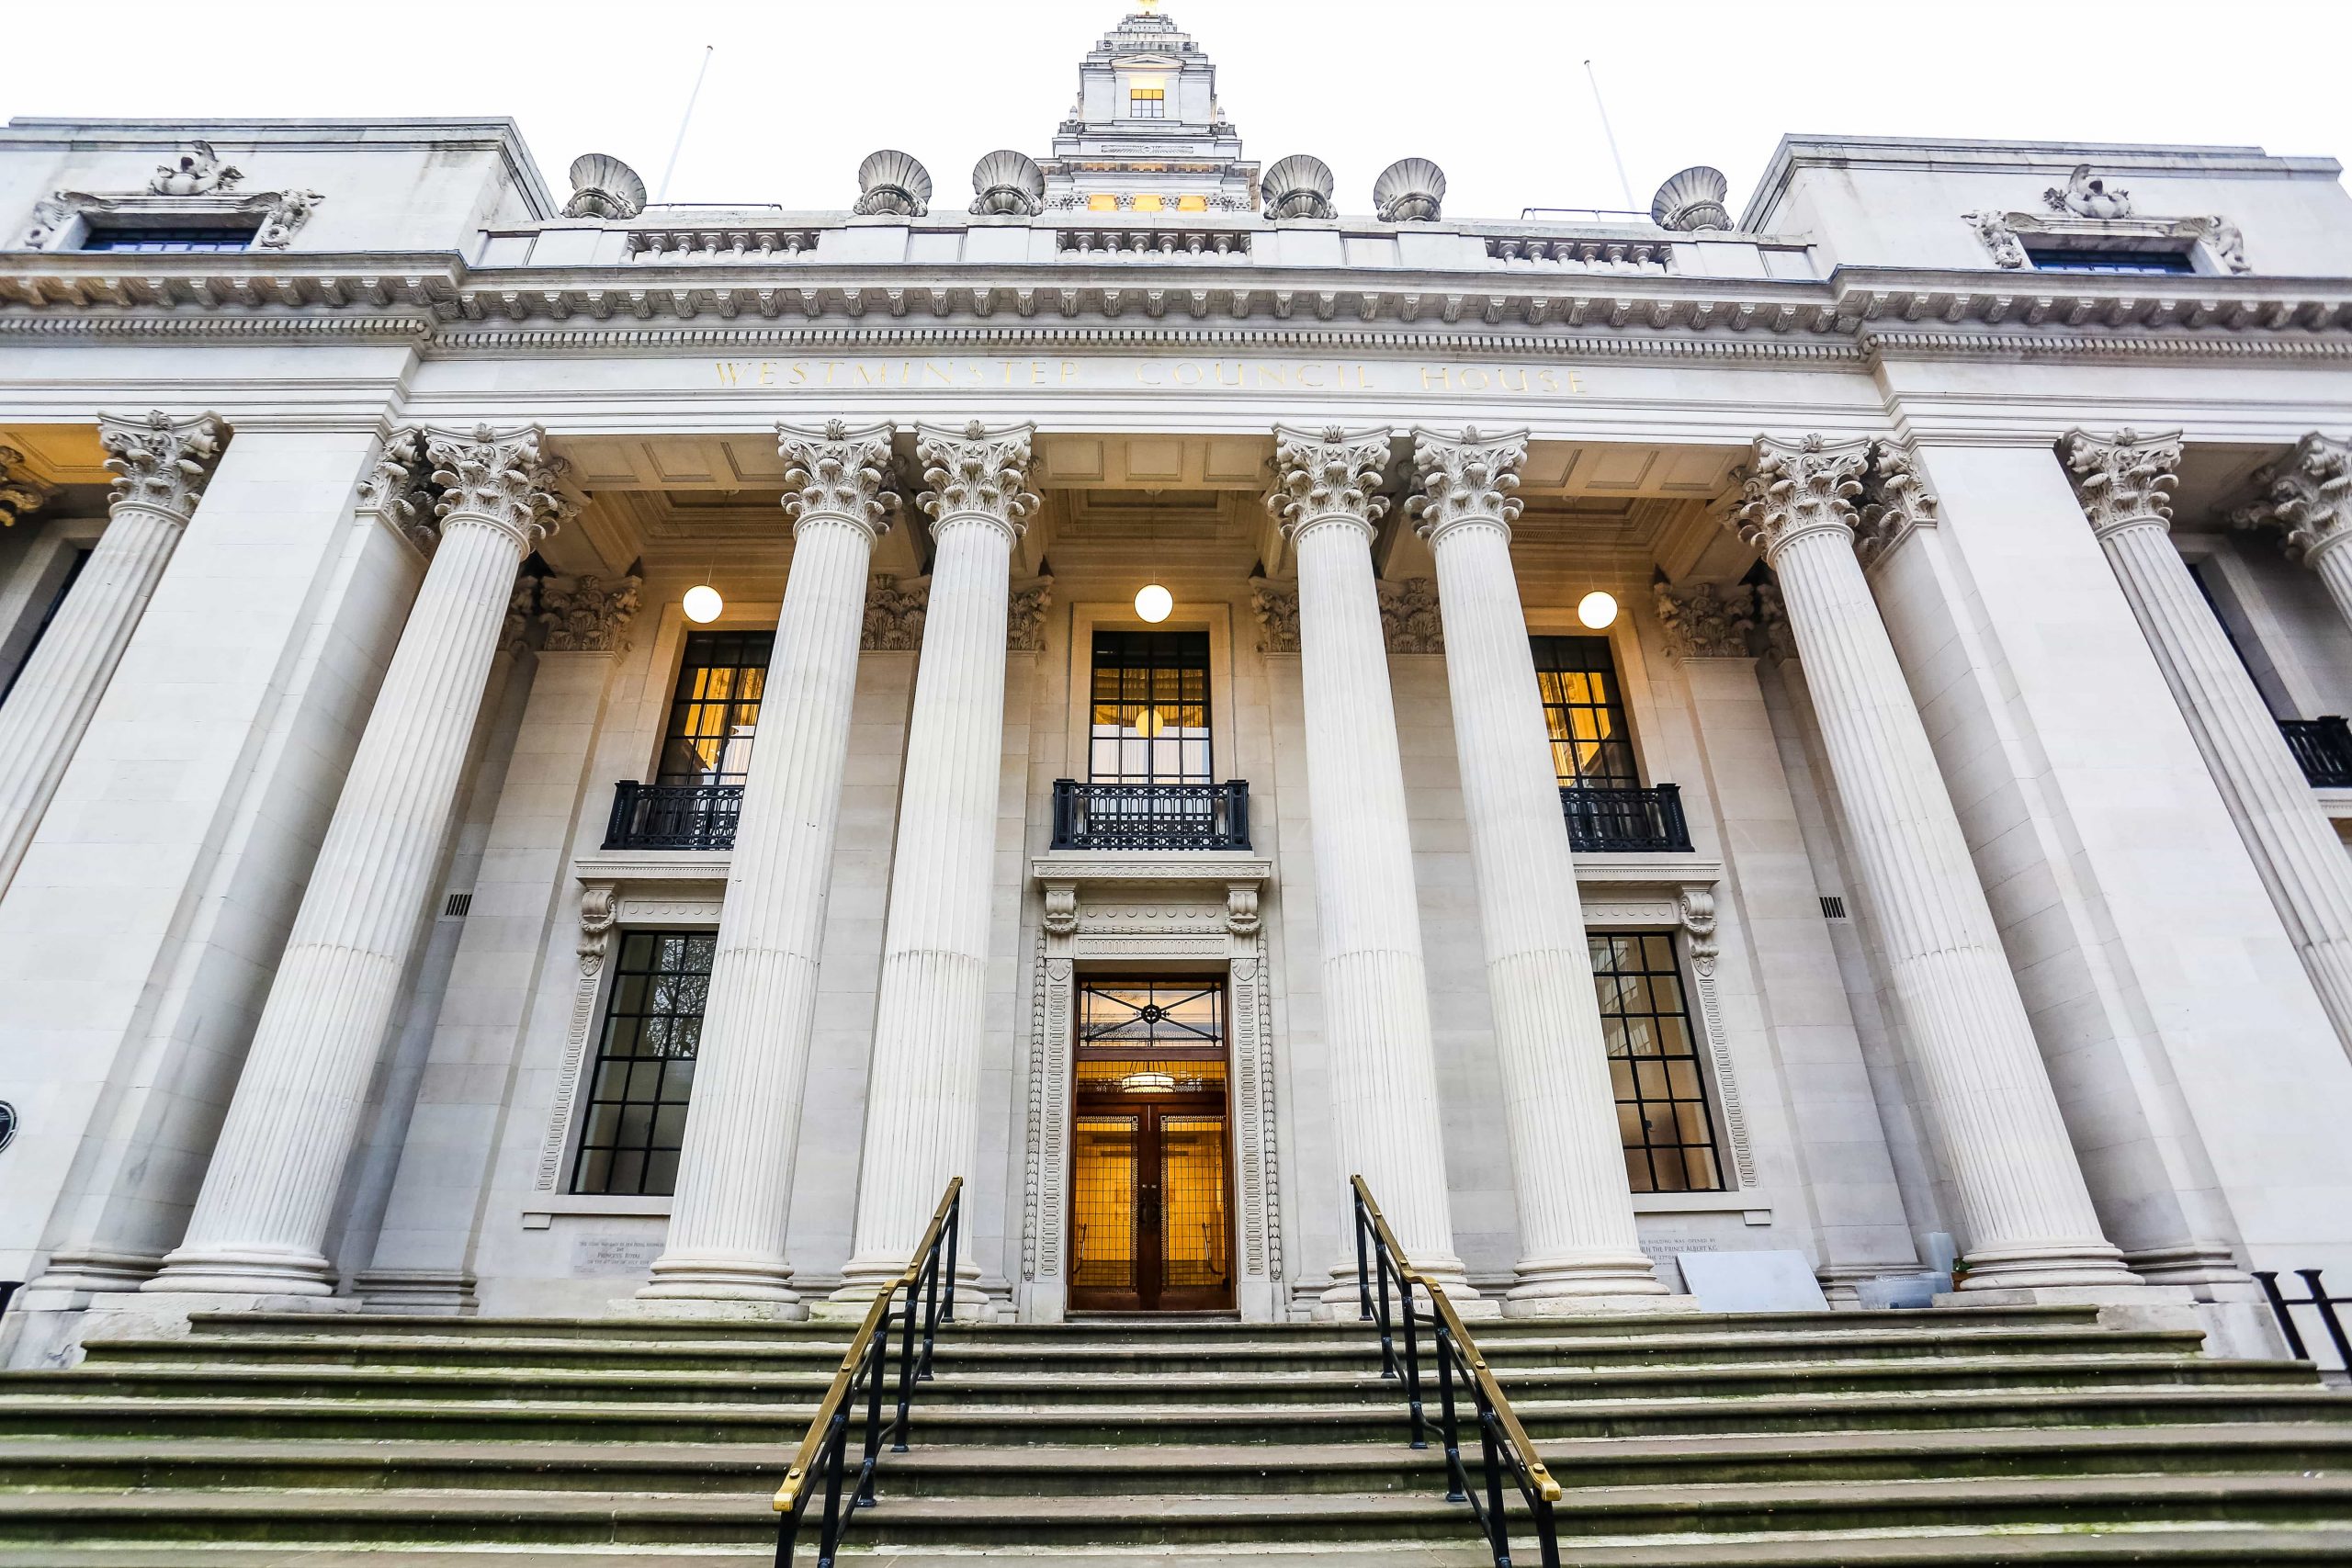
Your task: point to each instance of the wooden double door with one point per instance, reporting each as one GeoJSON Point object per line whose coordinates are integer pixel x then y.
{"type": "Point", "coordinates": [1151, 1206]}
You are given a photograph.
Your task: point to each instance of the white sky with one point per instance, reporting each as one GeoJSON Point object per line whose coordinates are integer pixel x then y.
{"type": "Point", "coordinates": [1494, 90]}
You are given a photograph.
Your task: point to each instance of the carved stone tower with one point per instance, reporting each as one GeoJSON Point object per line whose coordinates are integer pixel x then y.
{"type": "Point", "coordinates": [1146, 133]}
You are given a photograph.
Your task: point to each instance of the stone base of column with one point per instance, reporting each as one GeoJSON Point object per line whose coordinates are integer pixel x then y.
{"type": "Point", "coordinates": [863, 1279]}
{"type": "Point", "coordinates": [1622, 1276]}
{"type": "Point", "coordinates": [243, 1271]}
{"type": "Point", "coordinates": [421, 1293]}
{"type": "Point", "coordinates": [1343, 1301]}
{"type": "Point", "coordinates": [689, 1278]}
{"type": "Point", "coordinates": [2048, 1267]}
{"type": "Point", "coordinates": [92, 1271]}
{"type": "Point", "coordinates": [704, 1309]}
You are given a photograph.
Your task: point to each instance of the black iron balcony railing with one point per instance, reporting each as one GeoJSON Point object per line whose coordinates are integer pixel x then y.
{"type": "Point", "coordinates": [1151, 817]}
{"type": "Point", "coordinates": [1623, 821]}
{"type": "Point", "coordinates": [673, 817]}
{"type": "Point", "coordinates": [2324, 747]}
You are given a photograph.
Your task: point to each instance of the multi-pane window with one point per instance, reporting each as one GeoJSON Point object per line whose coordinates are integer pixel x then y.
{"type": "Point", "coordinates": [715, 708]}
{"type": "Point", "coordinates": [168, 239]}
{"type": "Point", "coordinates": [1150, 720]}
{"type": "Point", "coordinates": [2049, 259]}
{"type": "Point", "coordinates": [1592, 747]}
{"type": "Point", "coordinates": [1147, 103]}
{"type": "Point", "coordinates": [636, 1116]}
{"type": "Point", "coordinates": [1663, 1116]}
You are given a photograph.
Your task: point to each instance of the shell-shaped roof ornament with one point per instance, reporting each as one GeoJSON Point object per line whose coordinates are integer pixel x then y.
{"type": "Point", "coordinates": [1007, 183]}
{"type": "Point", "coordinates": [604, 186]}
{"type": "Point", "coordinates": [1692, 200]}
{"type": "Point", "coordinates": [1410, 190]}
{"type": "Point", "coordinates": [892, 182]}
{"type": "Point", "coordinates": [1299, 186]}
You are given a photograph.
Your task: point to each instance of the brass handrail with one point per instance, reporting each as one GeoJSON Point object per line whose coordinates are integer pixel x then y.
{"type": "Point", "coordinates": [828, 1430]}
{"type": "Point", "coordinates": [1500, 1432]}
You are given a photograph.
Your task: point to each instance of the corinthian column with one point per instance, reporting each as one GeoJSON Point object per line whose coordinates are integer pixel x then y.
{"type": "Point", "coordinates": [922, 1093]}
{"type": "Point", "coordinates": [1375, 992]}
{"type": "Point", "coordinates": [2122, 486]}
{"type": "Point", "coordinates": [268, 1196]}
{"type": "Point", "coordinates": [2307, 496]}
{"type": "Point", "coordinates": [727, 1224]}
{"type": "Point", "coordinates": [1577, 1240]}
{"type": "Point", "coordinates": [160, 465]}
{"type": "Point", "coordinates": [2019, 1191]}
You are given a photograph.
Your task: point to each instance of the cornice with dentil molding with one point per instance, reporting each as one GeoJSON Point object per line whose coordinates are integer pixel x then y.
{"type": "Point", "coordinates": [1330, 473]}
{"type": "Point", "coordinates": [2122, 480]}
{"type": "Point", "coordinates": [585, 613]}
{"type": "Point", "coordinates": [1466, 479]}
{"type": "Point", "coordinates": [1793, 489]}
{"type": "Point", "coordinates": [161, 463]}
{"type": "Point", "coordinates": [1896, 500]}
{"type": "Point", "coordinates": [978, 473]}
{"type": "Point", "coordinates": [2306, 495]}
{"type": "Point", "coordinates": [21, 494]}
{"type": "Point", "coordinates": [504, 478]}
{"type": "Point", "coordinates": [839, 472]}
{"type": "Point", "coordinates": [1704, 620]}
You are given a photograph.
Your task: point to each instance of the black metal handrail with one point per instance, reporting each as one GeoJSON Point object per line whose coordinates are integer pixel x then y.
{"type": "Point", "coordinates": [864, 1369]}
{"type": "Point", "coordinates": [1151, 817]}
{"type": "Point", "coordinates": [1621, 821]}
{"type": "Point", "coordinates": [673, 817]}
{"type": "Point", "coordinates": [1503, 1444]}
{"type": "Point", "coordinates": [2322, 749]}
{"type": "Point", "coordinates": [2280, 1305]}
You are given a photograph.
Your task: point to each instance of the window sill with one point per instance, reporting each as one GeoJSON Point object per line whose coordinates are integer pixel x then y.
{"type": "Point", "coordinates": [588, 1205]}
{"type": "Point", "coordinates": [1753, 1205]}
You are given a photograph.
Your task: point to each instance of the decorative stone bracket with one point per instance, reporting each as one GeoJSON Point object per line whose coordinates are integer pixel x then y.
{"type": "Point", "coordinates": [63, 221]}
{"type": "Point", "coordinates": [2005, 234]}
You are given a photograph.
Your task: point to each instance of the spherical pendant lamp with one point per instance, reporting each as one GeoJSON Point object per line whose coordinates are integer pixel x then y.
{"type": "Point", "coordinates": [1597, 609]}
{"type": "Point", "coordinates": [703, 605]}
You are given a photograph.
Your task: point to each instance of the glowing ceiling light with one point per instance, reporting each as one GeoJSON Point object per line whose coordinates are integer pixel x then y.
{"type": "Point", "coordinates": [1154, 604]}
{"type": "Point", "coordinates": [1597, 609]}
{"type": "Point", "coordinates": [703, 605]}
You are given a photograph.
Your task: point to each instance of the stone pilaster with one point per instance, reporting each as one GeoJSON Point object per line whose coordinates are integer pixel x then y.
{"type": "Point", "coordinates": [2122, 484]}
{"type": "Point", "coordinates": [1376, 988]}
{"type": "Point", "coordinates": [1578, 1247]}
{"type": "Point", "coordinates": [727, 1224]}
{"type": "Point", "coordinates": [269, 1192]}
{"type": "Point", "coordinates": [2307, 496]}
{"type": "Point", "coordinates": [160, 465]}
{"type": "Point", "coordinates": [922, 1094]}
{"type": "Point", "coordinates": [2019, 1191]}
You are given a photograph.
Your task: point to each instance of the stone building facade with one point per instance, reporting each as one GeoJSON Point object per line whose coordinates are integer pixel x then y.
{"type": "Point", "coordinates": [1671, 735]}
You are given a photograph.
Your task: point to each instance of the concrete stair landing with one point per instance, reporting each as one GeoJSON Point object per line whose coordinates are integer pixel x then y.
{"type": "Point", "coordinates": [1976, 1438]}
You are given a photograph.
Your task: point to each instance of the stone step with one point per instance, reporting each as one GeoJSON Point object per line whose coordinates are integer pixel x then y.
{"type": "Point", "coordinates": [1009, 1470]}
{"type": "Point", "coordinates": [56, 1414]}
{"type": "Point", "coordinates": [1725, 1379]}
{"type": "Point", "coordinates": [579, 1518]}
{"type": "Point", "coordinates": [1144, 1355]}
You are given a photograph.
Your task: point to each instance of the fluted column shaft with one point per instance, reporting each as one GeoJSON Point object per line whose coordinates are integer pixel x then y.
{"type": "Point", "coordinates": [2017, 1183]}
{"type": "Point", "coordinates": [2334, 564]}
{"type": "Point", "coordinates": [1382, 1066]}
{"type": "Point", "coordinates": [1577, 1234]}
{"type": "Point", "coordinates": [268, 1196]}
{"type": "Point", "coordinates": [922, 1093]}
{"type": "Point", "coordinates": [728, 1220]}
{"type": "Point", "coordinates": [161, 463]}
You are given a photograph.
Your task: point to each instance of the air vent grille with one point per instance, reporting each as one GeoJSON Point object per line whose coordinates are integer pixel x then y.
{"type": "Point", "coordinates": [1833, 908]}
{"type": "Point", "coordinates": [456, 905]}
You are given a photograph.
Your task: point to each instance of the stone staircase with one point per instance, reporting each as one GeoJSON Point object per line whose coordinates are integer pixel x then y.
{"type": "Point", "coordinates": [1954, 1437]}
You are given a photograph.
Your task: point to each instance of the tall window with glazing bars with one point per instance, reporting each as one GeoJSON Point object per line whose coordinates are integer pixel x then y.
{"type": "Point", "coordinates": [716, 709]}
{"type": "Point", "coordinates": [634, 1120]}
{"type": "Point", "coordinates": [1592, 746]}
{"type": "Point", "coordinates": [1150, 723]}
{"type": "Point", "coordinates": [1664, 1115]}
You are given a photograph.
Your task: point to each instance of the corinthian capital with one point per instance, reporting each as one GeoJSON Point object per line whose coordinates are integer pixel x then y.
{"type": "Point", "coordinates": [2124, 481]}
{"type": "Point", "coordinates": [161, 463]}
{"type": "Point", "coordinates": [21, 495]}
{"type": "Point", "coordinates": [1798, 487]}
{"type": "Point", "coordinates": [585, 613]}
{"type": "Point", "coordinates": [1468, 480]}
{"type": "Point", "coordinates": [501, 476]}
{"type": "Point", "coordinates": [398, 488]}
{"type": "Point", "coordinates": [838, 472]}
{"type": "Point", "coordinates": [2306, 495]}
{"type": "Point", "coordinates": [1330, 473]}
{"type": "Point", "coordinates": [1896, 500]}
{"type": "Point", "coordinates": [977, 472]}
{"type": "Point", "coordinates": [1703, 621]}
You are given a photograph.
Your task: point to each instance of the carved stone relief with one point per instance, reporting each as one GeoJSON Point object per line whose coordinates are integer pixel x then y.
{"type": "Point", "coordinates": [894, 614]}
{"type": "Point", "coordinates": [1409, 618]}
{"type": "Point", "coordinates": [196, 187]}
{"type": "Point", "coordinates": [1704, 620]}
{"type": "Point", "coordinates": [1276, 606]}
{"type": "Point", "coordinates": [2087, 211]}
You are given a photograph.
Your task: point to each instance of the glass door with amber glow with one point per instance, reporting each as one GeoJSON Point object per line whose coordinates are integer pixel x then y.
{"type": "Point", "coordinates": [1151, 1205]}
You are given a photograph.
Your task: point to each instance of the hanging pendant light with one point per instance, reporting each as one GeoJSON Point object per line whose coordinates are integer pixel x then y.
{"type": "Point", "coordinates": [1153, 602]}
{"type": "Point", "coordinates": [703, 605]}
{"type": "Point", "coordinates": [1597, 609]}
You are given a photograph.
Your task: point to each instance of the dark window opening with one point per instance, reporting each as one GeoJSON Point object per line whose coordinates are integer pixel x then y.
{"type": "Point", "coordinates": [56, 601]}
{"type": "Point", "coordinates": [1150, 720]}
{"type": "Point", "coordinates": [1592, 746]}
{"type": "Point", "coordinates": [2131, 261]}
{"type": "Point", "coordinates": [634, 1121]}
{"type": "Point", "coordinates": [168, 240]}
{"type": "Point", "coordinates": [1663, 1119]}
{"type": "Point", "coordinates": [716, 709]}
